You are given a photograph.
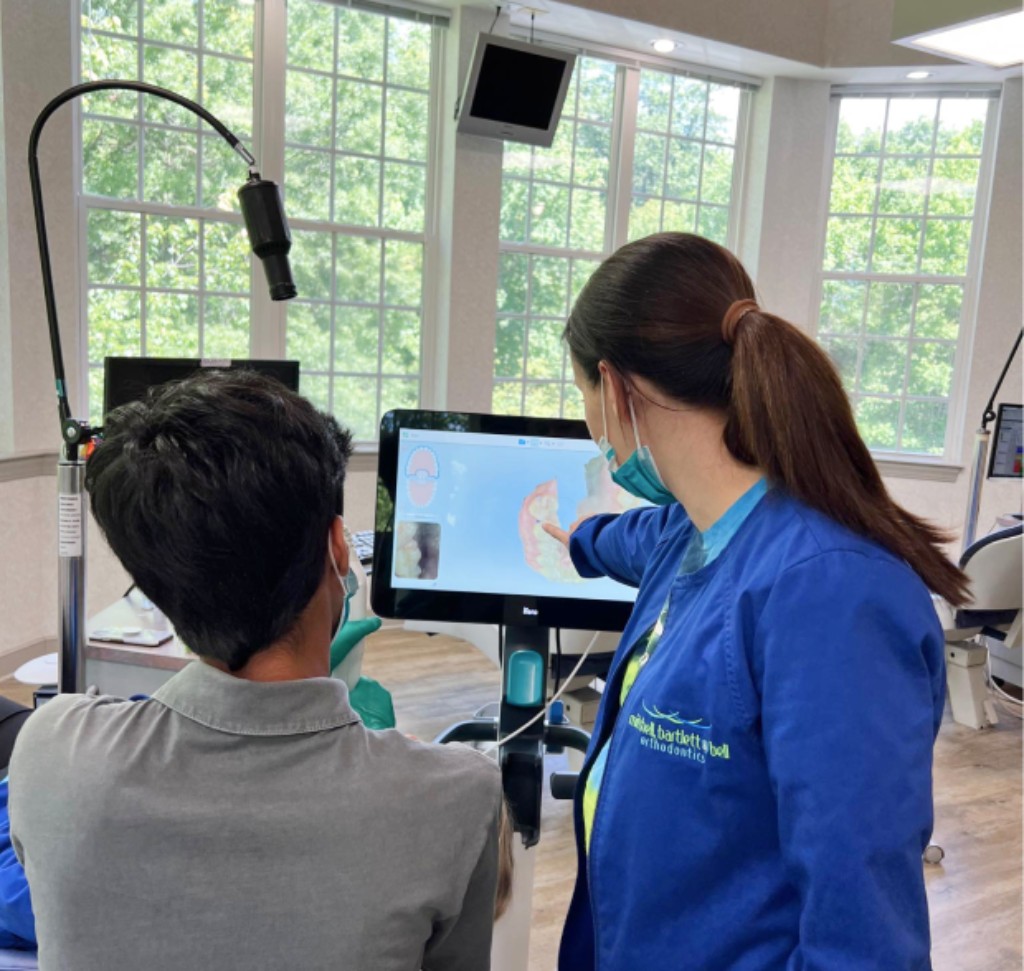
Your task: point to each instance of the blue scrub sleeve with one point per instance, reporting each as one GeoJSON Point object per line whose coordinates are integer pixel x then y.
{"type": "Point", "coordinates": [853, 686]}
{"type": "Point", "coordinates": [618, 546]}
{"type": "Point", "coordinates": [17, 923]}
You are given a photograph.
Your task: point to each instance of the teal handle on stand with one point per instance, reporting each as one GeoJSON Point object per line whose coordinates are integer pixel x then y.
{"type": "Point", "coordinates": [525, 687]}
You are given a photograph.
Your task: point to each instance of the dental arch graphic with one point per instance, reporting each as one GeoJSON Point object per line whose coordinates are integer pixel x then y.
{"type": "Point", "coordinates": [422, 473]}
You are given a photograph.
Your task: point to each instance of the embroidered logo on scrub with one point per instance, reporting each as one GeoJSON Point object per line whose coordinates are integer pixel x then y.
{"type": "Point", "coordinates": [671, 734]}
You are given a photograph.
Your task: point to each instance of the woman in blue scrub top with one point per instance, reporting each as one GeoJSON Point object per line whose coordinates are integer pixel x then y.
{"type": "Point", "coordinates": [757, 794]}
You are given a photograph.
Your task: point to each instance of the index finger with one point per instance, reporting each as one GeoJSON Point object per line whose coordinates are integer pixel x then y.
{"type": "Point", "coordinates": [556, 532]}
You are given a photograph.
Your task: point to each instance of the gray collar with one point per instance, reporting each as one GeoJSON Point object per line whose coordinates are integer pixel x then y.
{"type": "Point", "coordinates": [229, 704]}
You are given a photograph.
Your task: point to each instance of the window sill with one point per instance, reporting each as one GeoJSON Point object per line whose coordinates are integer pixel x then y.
{"type": "Point", "coordinates": [27, 465]}
{"type": "Point", "coordinates": [33, 465]}
{"type": "Point", "coordinates": [364, 458]}
{"type": "Point", "coordinates": [925, 469]}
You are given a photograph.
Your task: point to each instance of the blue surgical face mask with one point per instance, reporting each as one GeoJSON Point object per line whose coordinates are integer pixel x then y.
{"type": "Point", "coordinates": [349, 584]}
{"type": "Point", "coordinates": [639, 475]}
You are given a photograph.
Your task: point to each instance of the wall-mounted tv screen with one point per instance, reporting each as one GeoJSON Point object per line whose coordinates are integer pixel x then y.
{"type": "Point", "coordinates": [515, 91]}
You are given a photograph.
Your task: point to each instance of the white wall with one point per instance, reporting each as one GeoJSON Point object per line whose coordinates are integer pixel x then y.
{"type": "Point", "coordinates": [37, 64]}
{"type": "Point", "coordinates": [783, 196]}
{"type": "Point", "coordinates": [470, 201]}
{"type": "Point", "coordinates": [28, 572]}
{"type": "Point", "coordinates": [6, 383]}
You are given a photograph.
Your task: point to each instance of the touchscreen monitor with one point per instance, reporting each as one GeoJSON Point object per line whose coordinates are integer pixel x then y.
{"type": "Point", "coordinates": [462, 500]}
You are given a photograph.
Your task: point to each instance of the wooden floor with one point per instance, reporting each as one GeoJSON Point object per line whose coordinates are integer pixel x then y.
{"type": "Point", "coordinates": [975, 895]}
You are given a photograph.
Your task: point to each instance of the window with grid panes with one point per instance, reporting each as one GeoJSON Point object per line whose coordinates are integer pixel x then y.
{"type": "Point", "coordinates": [356, 173]}
{"type": "Point", "coordinates": [902, 208]}
{"type": "Point", "coordinates": [683, 156]}
{"type": "Point", "coordinates": [556, 205]}
{"type": "Point", "coordinates": [162, 279]}
{"type": "Point", "coordinates": [553, 235]}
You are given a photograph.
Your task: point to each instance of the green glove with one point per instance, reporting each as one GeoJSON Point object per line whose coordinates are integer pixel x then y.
{"type": "Point", "coordinates": [349, 636]}
{"type": "Point", "coordinates": [372, 703]}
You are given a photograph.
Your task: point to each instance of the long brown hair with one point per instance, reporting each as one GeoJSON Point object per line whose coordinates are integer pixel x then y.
{"type": "Point", "coordinates": [506, 864]}
{"type": "Point", "coordinates": [655, 309]}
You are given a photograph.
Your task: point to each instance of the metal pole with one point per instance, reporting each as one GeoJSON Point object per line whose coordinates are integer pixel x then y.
{"type": "Point", "coordinates": [981, 440]}
{"type": "Point", "coordinates": [72, 509]}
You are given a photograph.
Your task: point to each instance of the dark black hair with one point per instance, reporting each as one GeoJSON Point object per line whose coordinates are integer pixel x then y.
{"type": "Point", "coordinates": [216, 493]}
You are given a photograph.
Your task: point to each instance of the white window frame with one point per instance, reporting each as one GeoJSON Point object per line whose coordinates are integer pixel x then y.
{"type": "Point", "coordinates": [944, 467]}
{"type": "Point", "coordinates": [623, 141]}
{"type": "Point", "coordinates": [267, 332]}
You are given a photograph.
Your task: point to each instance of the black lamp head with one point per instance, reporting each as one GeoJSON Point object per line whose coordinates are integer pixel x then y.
{"type": "Point", "coordinates": [268, 233]}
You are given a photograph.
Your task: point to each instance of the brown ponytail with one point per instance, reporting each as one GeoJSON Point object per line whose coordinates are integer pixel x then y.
{"type": "Point", "coordinates": [679, 311]}
{"type": "Point", "coordinates": [791, 417]}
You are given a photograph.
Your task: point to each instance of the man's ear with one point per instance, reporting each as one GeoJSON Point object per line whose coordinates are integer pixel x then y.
{"type": "Point", "coordinates": [339, 545]}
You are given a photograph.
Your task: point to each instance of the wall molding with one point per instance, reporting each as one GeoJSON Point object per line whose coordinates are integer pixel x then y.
{"type": "Point", "coordinates": [10, 661]}
{"type": "Point", "coordinates": [928, 471]}
{"type": "Point", "coordinates": [28, 465]}
{"type": "Point", "coordinates": [363, 460]}
{"type": "Point", "coordinates": [32, 465]}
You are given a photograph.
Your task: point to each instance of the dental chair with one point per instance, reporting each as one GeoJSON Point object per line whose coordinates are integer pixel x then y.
{"type": "Point", "coordinates": [993, 567]}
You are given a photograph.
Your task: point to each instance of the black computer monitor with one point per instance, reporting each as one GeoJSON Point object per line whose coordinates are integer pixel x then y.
{"type": "Point", "coordinates": [1006, 446]}
{"type": "Point", "coordinates": [515, 90]}
{"type": "Point", "coordinates": [128, 378]}
{"type": "Point", "coordinates": [460, 502]}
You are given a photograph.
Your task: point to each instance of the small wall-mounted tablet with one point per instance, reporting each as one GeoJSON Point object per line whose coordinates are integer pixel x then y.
{"type": "Point", "coordinates": [515, 91]}
{"type": "Point", "coordinates": [1005, 462]}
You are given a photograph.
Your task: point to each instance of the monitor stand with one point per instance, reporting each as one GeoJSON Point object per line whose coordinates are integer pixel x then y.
{"type": "Point", "coordinates": [525, 663]}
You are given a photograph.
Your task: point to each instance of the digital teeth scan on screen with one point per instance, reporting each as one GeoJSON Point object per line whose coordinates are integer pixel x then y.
{"type": "Point", "coordinates": [454, 488]}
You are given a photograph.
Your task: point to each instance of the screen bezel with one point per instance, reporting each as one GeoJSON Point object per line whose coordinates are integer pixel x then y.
{"type": "Point", "coordinates": [992, 474]}
{"type": "Point", "coordinates": [470, 124]}
{"type": "Point", "coordinates": [468, 607]}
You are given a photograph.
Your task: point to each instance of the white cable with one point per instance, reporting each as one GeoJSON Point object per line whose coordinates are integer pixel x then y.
{"type": "Point", "coordinates": [558, 694]}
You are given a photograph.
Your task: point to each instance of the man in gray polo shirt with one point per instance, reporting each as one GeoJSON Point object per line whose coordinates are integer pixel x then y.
{"type": "Point", "coordinates": [243, 817]}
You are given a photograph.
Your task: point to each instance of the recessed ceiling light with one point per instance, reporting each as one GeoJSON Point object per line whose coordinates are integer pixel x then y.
{"type": "Point", "coordinates": [663, 45]}
{"type": "Point", "coordinates": [919, 75]}
{"type": "Point", "coordinates": [996, 41]}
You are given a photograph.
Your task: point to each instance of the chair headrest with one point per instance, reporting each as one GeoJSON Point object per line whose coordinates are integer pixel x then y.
{"type": "Point", "coordinates": [1000, 535]}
